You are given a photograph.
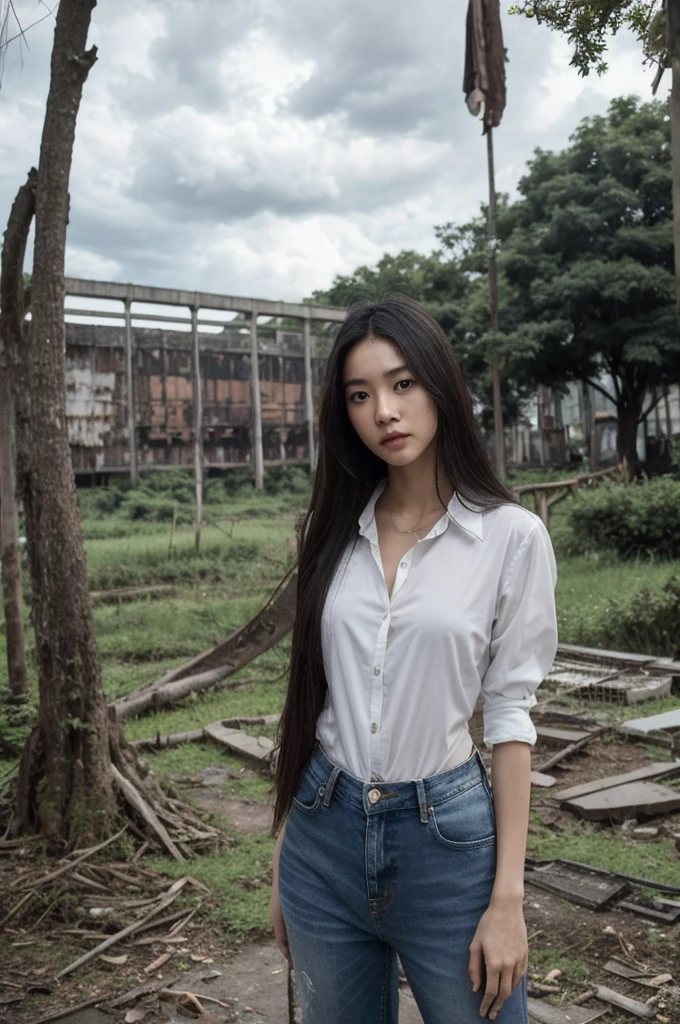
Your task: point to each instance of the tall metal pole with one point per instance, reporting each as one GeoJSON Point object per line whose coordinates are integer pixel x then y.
{"type": "Point", "coordinates": [130, 382]}
{"type": "Point", "coordinates": [257, 451]}
{"type": "Point", "coordinates": [494, 361]}
{"type": "Point", "coordinates": [309, 396]}
{"type": "Point", "coordinates": [198, 427]}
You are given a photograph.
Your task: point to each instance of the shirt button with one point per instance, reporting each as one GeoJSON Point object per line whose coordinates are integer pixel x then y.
{"type": "Point", "coordinates": [403, 565]}
{"type": "Point", "coordinates": [373, 796]}
{"type": "Point", "coordinates": [376, 670]}
{"type": "Point", "coordinates": [374, 726]}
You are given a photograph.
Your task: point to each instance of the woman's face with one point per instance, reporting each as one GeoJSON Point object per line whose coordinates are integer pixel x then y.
{"type": "Point", "coordinates": [390, 410]}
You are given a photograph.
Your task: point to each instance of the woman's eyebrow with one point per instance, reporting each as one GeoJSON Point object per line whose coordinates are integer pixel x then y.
{"type": "Point", "coordinates": [355, 381]}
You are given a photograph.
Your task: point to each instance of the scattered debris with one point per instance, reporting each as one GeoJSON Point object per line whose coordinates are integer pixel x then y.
{"type": "Point", "coordinates": [650, 771]}
{"type": "Point", "coordinates": [587, 887]}
{"type": "Point", "coordinates": [544, 1013]}
{"type": "Point", "coordinates": [669, 721]}
{"type": "Point", "coordinates": [165, 901]}
{"type": "Point", "coordinates": [259, 747]}
{"type": "Point", "coordinates": [625, 801]}
{"type": "Point", "coordinates": [634, 1006]}
{"type": "Point", "coordinates": [542, 781]}
{"type": "Point", "coordinates": [572, 748]}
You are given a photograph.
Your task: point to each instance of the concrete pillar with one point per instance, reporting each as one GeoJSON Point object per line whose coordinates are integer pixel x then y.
{"type": "Point", "coordinates": [256, 448]}
{"type": "Point", "coordinates": [198, 426]}
{"type": "Point", "coordinates": [129, 379]}
{"type": "Point", "coordinates": [309, 396]}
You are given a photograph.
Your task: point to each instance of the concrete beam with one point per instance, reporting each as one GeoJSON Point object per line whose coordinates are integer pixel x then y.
{"type": "Point", "coordinates": [180, 297]}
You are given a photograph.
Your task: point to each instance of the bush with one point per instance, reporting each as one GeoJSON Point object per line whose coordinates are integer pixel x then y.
{"type": "Point", "coordinates": [96, 502]}
{"type": "Point", "coordinates": [646, 623]}
{"type": "Point", "coordinates": [286, 480]}
{"type": "Point", "coordinates": [638, 519]}
{"type": "Point", "coordinates": [153, 509]}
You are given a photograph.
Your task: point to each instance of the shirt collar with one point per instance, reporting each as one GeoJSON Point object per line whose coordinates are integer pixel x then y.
{"type": "Point", "coordinates": [467, 517]}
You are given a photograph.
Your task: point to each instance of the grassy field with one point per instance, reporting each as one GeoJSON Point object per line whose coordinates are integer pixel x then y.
{"type": "Point", "coordinates": [243, 555]}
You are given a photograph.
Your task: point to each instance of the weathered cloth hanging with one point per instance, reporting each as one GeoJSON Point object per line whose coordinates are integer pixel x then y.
{"type": "Point", "coordinates": [484, 79]}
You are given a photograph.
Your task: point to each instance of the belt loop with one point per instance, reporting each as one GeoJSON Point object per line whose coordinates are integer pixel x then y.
{"type": "Point", "coordinates": [422, 800]}
{"type": "Point", "coordinates": [330, 786]}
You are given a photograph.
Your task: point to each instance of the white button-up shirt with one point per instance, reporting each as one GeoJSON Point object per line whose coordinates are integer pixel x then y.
{"type": "Point", "coordinates": [472, 610]}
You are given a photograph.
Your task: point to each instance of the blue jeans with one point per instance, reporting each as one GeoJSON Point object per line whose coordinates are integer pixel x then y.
{"type": "Point", "coordinates": [372, 870]}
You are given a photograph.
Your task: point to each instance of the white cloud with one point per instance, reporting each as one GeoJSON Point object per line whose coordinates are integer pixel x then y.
{"type": "Point", "coordinates": [260, 147]}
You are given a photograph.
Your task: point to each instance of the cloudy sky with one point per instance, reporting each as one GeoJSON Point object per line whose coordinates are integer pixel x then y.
{"type": "Point", "coordinates": [259, 147]}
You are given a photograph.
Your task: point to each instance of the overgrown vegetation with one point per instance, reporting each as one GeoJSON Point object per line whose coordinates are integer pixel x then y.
{"type": "Point", "coordinates": [640, 519]}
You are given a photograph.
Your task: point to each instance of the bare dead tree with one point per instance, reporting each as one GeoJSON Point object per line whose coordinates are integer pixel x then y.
{"type": "Point", "coordinates": [12, 312]}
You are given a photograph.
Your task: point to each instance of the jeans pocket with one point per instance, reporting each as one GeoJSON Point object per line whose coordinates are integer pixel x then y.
{"type": "Point", "coordinates": [464, 821]}
{"type": "Point", "coordinates": [309, 796]}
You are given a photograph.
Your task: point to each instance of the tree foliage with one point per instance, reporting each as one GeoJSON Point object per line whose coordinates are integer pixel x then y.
{"type": "Point", "coordinates": [585, 273]}
{"type": "Point", "coordinates": [588, 24]}
{"type": "Point", "coordinates": [591, 259]}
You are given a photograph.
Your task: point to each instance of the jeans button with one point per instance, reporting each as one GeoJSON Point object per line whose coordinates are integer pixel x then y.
{"type": "Point", "coordinates": [373, 796]}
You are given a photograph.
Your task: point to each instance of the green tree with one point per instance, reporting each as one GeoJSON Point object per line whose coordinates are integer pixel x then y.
{"type": "Point", "coordinates": [449, 283]}
{"type": "Point", "coordinates": [588, 24]}
{"type": "Point", "coordinates": [591, 258]}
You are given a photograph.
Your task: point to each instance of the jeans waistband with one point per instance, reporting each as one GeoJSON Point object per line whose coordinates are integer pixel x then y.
{"type": "Point", "coordinates": [380, 797]}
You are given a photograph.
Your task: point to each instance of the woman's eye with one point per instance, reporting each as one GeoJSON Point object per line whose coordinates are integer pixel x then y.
{"type": "Point", "coordinates": [358, 396]}
{"type": "Point", "coordinates": [404, 385]}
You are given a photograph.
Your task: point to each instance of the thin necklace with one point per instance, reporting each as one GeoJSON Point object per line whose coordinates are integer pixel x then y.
{"type": "Point", "coordinates": [414, 529]}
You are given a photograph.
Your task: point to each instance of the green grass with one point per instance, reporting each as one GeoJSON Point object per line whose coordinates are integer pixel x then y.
{"type": "Point", "coordinates": [239, 879]}
{"type": "Point", "coordinates": [604, 847]}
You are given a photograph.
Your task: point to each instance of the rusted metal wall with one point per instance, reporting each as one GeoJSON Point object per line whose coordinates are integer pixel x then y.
{"type": "Point", "coordinates": [163, 396]}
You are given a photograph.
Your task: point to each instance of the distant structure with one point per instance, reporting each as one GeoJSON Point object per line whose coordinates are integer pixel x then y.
{"type": "Point", "coordinates": [229, 392]}
{"type": "Point", "coordinates": [222, 381]}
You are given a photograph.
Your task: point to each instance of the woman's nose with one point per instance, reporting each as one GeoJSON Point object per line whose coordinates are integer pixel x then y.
{"type": "Point", "coordinates": [386, 410]}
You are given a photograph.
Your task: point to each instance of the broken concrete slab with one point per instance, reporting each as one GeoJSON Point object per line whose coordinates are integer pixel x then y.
{"type": "Point", "coordinates": [238, 742]}
{"type": "Point", "coordinates": [668, 721]}
{"type": "Point", "coordinates": [626, 689]}
{"type": "Point", "coordinates": [548, 732]}
{"type": "Point", "coordinates": [542, 781]}
{"type": "Point", "coordinates": [650, 771]}
{"type": "Point", "coordinates": [587, 888]}
{"type": "Point", "coordinates": [597, 655]}
{"type": "Point", "coordinates": [626, 801]}
{"type": "Point", "coordinates": [543, 1013]}
{"type": "Point", "coordinates": [659, 909]}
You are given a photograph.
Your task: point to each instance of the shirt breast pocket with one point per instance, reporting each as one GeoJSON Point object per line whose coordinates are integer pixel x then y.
{"type": "Point", "coordinates": [464, 821]}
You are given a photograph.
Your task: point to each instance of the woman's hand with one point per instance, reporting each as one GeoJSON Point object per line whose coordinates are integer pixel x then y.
{"type": "Point", "coordinates": [499, 950]}
{"type": "Point", "coordinates": [279, 925]}
{"type": "Point", "coordinates": [275, 912]}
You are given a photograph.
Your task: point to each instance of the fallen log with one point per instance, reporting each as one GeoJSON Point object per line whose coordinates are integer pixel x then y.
{"type": "Point", "coordinates": [245, 644]}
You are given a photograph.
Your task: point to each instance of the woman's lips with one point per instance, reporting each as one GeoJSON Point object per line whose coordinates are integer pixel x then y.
{"type": "Point", "coordinates": [394, 441]}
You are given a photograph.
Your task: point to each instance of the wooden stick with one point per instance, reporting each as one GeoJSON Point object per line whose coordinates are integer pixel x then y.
{"type": "Point", "coordinates": [172, 894]}
{"type": "Point", "coordinates": [71, 864]}
{"type": "Point", "coordinates": [16, 907]}
{"type": "Point", "coordinates": [70, 1009]}
{"type": "Point", "coordinates": [134, 797]}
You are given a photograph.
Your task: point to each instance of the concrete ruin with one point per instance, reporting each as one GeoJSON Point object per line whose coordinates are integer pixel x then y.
{"type": "Point", "coordinates": [133, 399]}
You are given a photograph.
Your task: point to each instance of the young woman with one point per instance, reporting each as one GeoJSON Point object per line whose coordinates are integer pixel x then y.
{"type": "Point", "coordinates": [421, 585]}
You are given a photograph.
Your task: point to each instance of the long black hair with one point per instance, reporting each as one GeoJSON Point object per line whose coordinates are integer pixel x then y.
{"type": "Point", "coordinates": [345, 478]}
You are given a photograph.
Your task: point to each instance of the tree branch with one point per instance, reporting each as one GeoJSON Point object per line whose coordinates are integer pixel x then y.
{"type": "Point", "coordinates": [12, 267]}
{"type": "Point", "coordinates": [603, 391]}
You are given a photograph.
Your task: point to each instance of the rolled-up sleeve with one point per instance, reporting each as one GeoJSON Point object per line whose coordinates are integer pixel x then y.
{"type": "Point", "coordinates": [523, 641]}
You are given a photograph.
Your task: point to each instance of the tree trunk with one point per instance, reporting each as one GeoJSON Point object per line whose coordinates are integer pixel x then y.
{"type": "Point", "coordinates": [11, 344]}
{"type": "Point", "coordinates": [66, 781]}
{"type": "Point", "coordinates": [629, 411]}
{"type": "Point", "coordinates": [673, 29]}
